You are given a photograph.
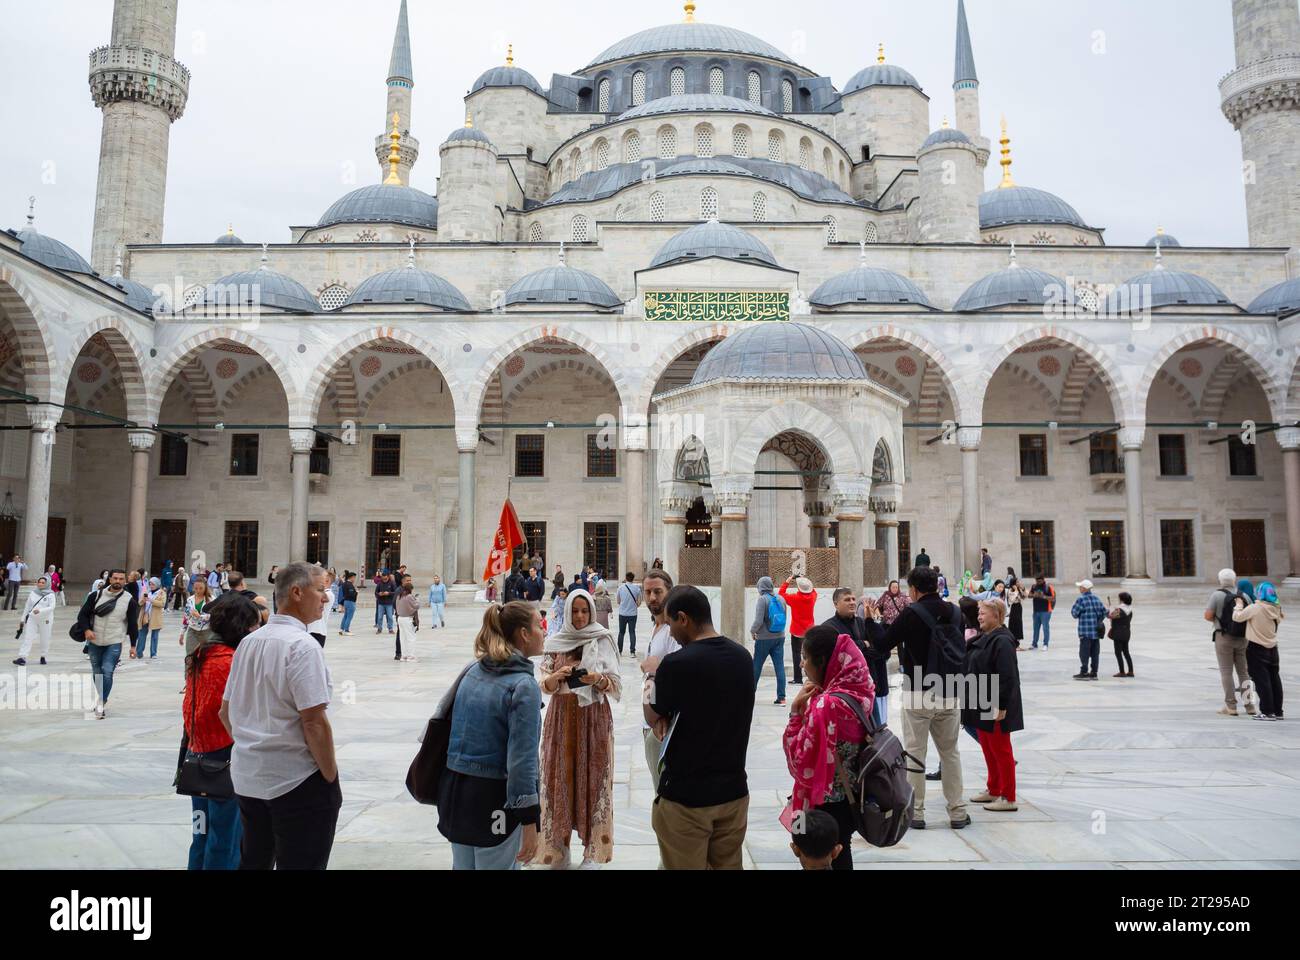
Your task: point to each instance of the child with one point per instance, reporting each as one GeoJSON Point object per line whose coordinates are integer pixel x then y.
{"type": "Point", "coordinates": [817, 844]}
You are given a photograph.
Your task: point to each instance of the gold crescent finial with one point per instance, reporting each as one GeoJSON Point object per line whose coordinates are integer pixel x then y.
{"type": "Point", "coordinates": [1006, 158]}
{"type": "Point", "coordinates": [510, 54]}
{"type": "Point", "coordinates": [469, 120]}
{"type": "Point", "coordinates": [880, 54]}
{"type": "Point", "coordinates": [395, 153]}
{"type": "Point", "coordinates": [690, 13]}
{"type": "Point", "coordinates": [945, 123]}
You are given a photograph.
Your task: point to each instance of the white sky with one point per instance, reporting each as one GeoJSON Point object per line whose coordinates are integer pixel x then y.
{"type": "Point", "coordinates": [286, 93]}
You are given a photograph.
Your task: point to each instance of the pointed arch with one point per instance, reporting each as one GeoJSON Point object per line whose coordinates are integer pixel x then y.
{"type": "Point", "coordinates": [669, 355]}
{"type": "Point", "coordinates": [1100, 360]}
{"type": "Point", "coordinates": [170, 366]}
{"type": "Point", "coordinates": [935, 358]}
{"type": "Point", "coordinates": [842, 455]}
{"type": "Point", "coordinates": [1242, 349]}
{"type": "Point", "coordinates": [571, 364]}
{"type": "Point", "coordinates": [1215, 396]}
{"type": "Point", "coordinates": [128, 357]}
{"type": "Point", "coordinates": [373, 391]}
{"type": "Point", "coordinates": [199, 389]}
{"type": "Point", "coordinates": [30, 325]}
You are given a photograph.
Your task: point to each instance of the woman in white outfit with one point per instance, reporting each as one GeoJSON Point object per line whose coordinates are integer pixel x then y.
{"type": "Point", "coordinates": [38, 618]}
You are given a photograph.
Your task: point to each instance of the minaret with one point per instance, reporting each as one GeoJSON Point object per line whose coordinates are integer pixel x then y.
{"type": "Point", "coordinates": [400, 84]}
{"type": "Point", "coordinates": [1261, 98]}
{"type": "Point", "coordinates": [966, 88]}
{"type": "Point", "coordinates": [142, 90]}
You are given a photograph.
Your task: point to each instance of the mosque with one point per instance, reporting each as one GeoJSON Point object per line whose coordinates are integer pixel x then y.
{"type": "Point", "coordinates": [692, 301]}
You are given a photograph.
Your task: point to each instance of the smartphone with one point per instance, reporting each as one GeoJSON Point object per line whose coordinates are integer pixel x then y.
{"type": "Point", "coordinates": [575, 679]}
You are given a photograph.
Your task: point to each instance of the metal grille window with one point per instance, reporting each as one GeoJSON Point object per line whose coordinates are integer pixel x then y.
{"type": "Point", "coordinates": [832, 229]}
{"type": "Point", "coordinates": [1033, 454]}
{"type": "Point", "coordinates": [535, 233]}
{"type": "Point", "coordinates": [600, 548]}
{"type": "Point", "coordinates": [716, 81]}
{"type": "Point", "coordinates": [638, 88]}
{"type": "Point", "coordinates": [383, 545]}
{"type": "Point", "coordinates": [602, 96]}
{"type": "Point", "coordinates": [602, 155]}
{"type": "Point", "coordinates": [775, 148]}
{"type": "Point", "coordinates": [319, 461]}
{"type": "Point", "coordinates": [755, 88]}
{"type": "Point", "coordinates": [871, 234]}
{"type": "Point", "coordinates": [632, 148]}
{"type": "Point", "coordinates": [579, 229]}
{"type": "Point", "coordinates": [805, 155]}
{"type": "Point", "coordinates": [1107, 557]}
{"type": "Point", "coordinates": [1103, 454]}
{"type": "Point", "coordinates": [534, 544]}
{"type": "Point", "coordinates": [333, 296]}
{"type": "Point", "coordinates": [658, 206]}
{"type": "Point", "coordinates": [386, 455]}
{"type": "Point", "coordinates": [740, 142]}
{"type": "Point", "coordinates": [1177, 548]}
{"type": "Point", "coordinates": [318, 542]}
{"type": "Point", "coordinates": [239, 546]}
{"type": "Point", "coordinates": [1241, 458]}
{"type": "Point", "coordinates": [677, 82]}
{"type": "Point", "coordinates": [703, 141]}
{"type": "Point", "coordinates": [708, 204]}
{"type": "Point", "coordinates": [1038, 548]}
{"type": "Point", "coordinates": [667, 143]}
{"type": "Point", "coordinates": [602, 460]}
{"type": "Point", "coordinates": [760, 207]}
{"type": "Point", "coordinates": [174, 457]}
{"type": "Point", "coordinates": [530, 455]}
{"type": "Point", "coordinates": [787, 96]}
{"type": "Point", "coordinates": [1173, 455]}
{"type": "Point", "coordinates": [904, 559]}
{"type": "Point", "coordinates": [243, 454]}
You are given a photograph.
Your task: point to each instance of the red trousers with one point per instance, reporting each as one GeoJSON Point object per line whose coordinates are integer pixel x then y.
{"type": "Point", "coordinates": [1000, 761]}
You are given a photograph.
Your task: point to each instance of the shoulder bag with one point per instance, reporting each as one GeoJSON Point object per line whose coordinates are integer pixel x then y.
{"type": "Point", "coordinates": [425, 774]}
{"type": "Point", "coordinates": [198, 775]}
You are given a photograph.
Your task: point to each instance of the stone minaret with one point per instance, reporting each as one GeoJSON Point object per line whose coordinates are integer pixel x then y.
{"type": "Point", "coordinates": [467, 187]}
{"type": "Point", "coordinates": [966, 88]}
{"type": "Point", "coordinates": [142, 90]}
{"type": "Point", "coordinates": [400, 84]}
{"type": "Point", "coordinates": [950, 183]}
{"type": "Point", "coordinates": [1261, 98]}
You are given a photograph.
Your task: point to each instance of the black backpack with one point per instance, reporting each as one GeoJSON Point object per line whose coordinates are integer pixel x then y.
{"type": "Point", "coordinates": [947, 656]}
{"type": "Point", "coordinates": [1226, 623]}
{"type": "Point", "coordinates": [875, 783]}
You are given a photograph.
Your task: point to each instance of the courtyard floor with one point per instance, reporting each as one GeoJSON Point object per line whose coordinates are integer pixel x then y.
{"type": "Point", "coordinates": [1120, 773]}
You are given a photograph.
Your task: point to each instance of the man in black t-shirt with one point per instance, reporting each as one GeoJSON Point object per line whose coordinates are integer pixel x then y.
{"type": "Point", "coordinates": [700, 703]}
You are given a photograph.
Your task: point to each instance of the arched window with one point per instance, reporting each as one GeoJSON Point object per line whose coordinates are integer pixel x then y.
{"type": "Point", "coordinates": [192, 296]}
{"type": "Point", "coordinates": [740, 142]}
{"type": "Point", "coordinates": [658, 206]}
{"type": "Point", "coordinates": [580, 229]}
{"type": "Point", "coordinates": [535, 233]}
{"type": "Point", "coordinates": [602, 154]}
{"type": "Point", "coordinates": [787, 96]}
{"type": "Point", "coordinates": [805, 154]}
{"type": "Point", "coordinates": [667, 143]}
{"type": "Point", "coordinates": [638, 88]}
{"type": "Point", "coordinates": [872, 234]}
{"type": "Point", "coordinates": [632, 148]}
{"type": "Point", "coordinates": [333, 296]}
{"type": "Point", "coordinates": [602, 96]}
{"type": "Point", "coordinates": [708, 204]}
{"type": "Point", "coordinates": [755, 88]}
{"type": "Point", "coordinates": [677, 82]}
{"type": "Point", "coordinates": [832, 229]}
{"type": "Point", "coordinates": [775, 147]}
{"type": "Point", "coordinates": [575, 164]}
{"type": "Point", "coordinates": [704, 140]}
{"type": "Point", "coordinates": [717, 82]}
{"type": "Point", "coordinates": [760, 207]}
{"type": "Point", "coordinates": [827, 163]}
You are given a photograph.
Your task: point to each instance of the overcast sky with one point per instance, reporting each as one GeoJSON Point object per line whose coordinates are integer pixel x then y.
{"type": "Point", "coordinates": [1112, 104]}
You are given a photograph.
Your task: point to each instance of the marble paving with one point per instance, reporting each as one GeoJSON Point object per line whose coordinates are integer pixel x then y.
{"type": "Point", "coordinates": [1123, 774]}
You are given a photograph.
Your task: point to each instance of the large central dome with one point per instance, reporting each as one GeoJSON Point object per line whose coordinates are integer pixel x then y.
{"type": "Point", "coordinates": [694, 37]}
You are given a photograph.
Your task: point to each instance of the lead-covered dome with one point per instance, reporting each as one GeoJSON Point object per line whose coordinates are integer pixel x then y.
{"type": "Point", "coordinates": [507, 76]}
{"type": "Point", "coordinates": [266, 287]}
{"type": "Point", "coordinates": [228, 239]}
{"type": "Point", "coordinates": [1012, 205]}
{"type": "Point", "coordinates": [1167, 288]}
{"type": "Point", "coordinates": [695, 103]}
{"type": "Point", "coordinates": [713, 239]}
{"type": "Point", "coordinates": [408, 285]}
{"type": "Point", "coordinates": [138, 296]}
{"type": "Point", "coordinates": [1280, 301]}
{"type": "Point", "coordinates": [880, 75]}
{"type": "Point", "coordinates": [466, 133]}
{"type": "Point", "coordinates": [1164, 241]}
{"type": "Point", "coordinates": [869, 285]}
{"type": "Point", "coordinates": [689, 37]}
{"type": "Point", "coordinates": [946, 135]}
{"type": "Point", "coordinates": [780, 350]}
{"type": "Point", "coordinates": [384, 203]}
{"type": "Point", "coordinates": [1013, 286]}
{"type": "Point", "coordinates": [52, 253]}
{"type": "Point", "coordinates": [562, 285]}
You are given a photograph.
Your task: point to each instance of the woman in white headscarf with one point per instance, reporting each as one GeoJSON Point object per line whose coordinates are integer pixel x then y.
{"type": "Point", "coordinates": [580, 674]}
{"type": "Point", "coordinates": [38, 618]}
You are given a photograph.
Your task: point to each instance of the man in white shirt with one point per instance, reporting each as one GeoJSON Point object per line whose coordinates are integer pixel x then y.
{"type": "Point", "coordinates": [655, 589]}
{"type": "Point", "coordinates": [283, 765]}
{"type": "Point", "coordinates": [13, 580]}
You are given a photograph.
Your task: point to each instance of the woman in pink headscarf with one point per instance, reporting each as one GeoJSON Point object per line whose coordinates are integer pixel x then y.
{"type": "Point", "coordinates": [823, 729]}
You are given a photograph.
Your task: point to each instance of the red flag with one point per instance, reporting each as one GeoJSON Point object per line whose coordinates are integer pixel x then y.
{"type": "Point", "coordinates": [509, 535]}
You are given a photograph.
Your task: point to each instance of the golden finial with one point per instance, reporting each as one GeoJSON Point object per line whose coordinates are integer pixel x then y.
{"type": "Point", "coordinates": [945, 123]}
{"type": "Point", "coordinates": [1160, 231]}
{"type": "Point", "coordinates": [880, 54]}
{"type": "Point", "coordinates": [395, 153]}
{"type": "Point", "coordinates": [230, 229]}
{"type": "Point", "coordinates": [469, 120]}
{"type": "Point", "coordinates": [690, 13]}
{"type": "Point", "coordinates": [1006, 158]}
{"type": "Point", "coordinates": [510, 54]}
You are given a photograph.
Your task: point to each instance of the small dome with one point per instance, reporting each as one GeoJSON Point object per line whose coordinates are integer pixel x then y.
{"type": "Point", "coordinates": [946, 135]}
{"type": "Point", "coordinates": [273, 290]}
{"type": "Point", "coordinates": [138, 296]}
{"type": "Point", "coordinates": [695, 103]}
{"type": "Point", "coordinates": [408, 285]}
{"type": "Point", "coordinates": [1011, 287]}
{"type": "Point", "coordinates": [713, 239]}
{"type": "Point", "coordinates": [690, 37]}
{"type": "Point", "coordinates": [868, 285]}
{"type": "Point", "coordinates": [1168, 288]}
{"type": "Point", "coordinates": [1004, 207]}
{"type": "Point", "coordinates": [1282, 300]}
{"type": "Point", "coordinates": [778, 350]}
{"type": "Point", "coordinates": [228, 239]}
{"type": "Point", "coordinates": [461, 134]}
{"type": "Point", "coordinates": [507, 77]}
{"type": "Point", "coordinates": [52, 253]}
{"type": "Point", "coordinates": [880, 75]}
{"type": "Point", "coordinates": [382, 203]}
{"type": "Point", "coordinates": [1164, 241]}
{"type": "Point", "coordinates": [562, 284]}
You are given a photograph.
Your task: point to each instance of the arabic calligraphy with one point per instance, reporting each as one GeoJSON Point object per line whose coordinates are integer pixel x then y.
{"type": "Point", "coordinates": [717, 306]}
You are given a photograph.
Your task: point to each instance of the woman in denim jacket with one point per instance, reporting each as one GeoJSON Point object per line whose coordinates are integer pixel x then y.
{"type": "Point", "coordinates": [488, 799]}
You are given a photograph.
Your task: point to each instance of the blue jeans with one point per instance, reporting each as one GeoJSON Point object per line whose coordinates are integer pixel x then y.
{"type": "Point", "coordinates": [880, 710]}
{"type": "Point", "coordinates": [384, 613]}
{"type": "Point", "coordinates": [103, 661]}
{"type": "Point", "coordinates": [349, 610]}
{"type": "Point", "coordinates": [775, 649]}
{"type": "Point", "coordinates": [1043, 619]}
{"type": "Point", "coordinates": [217, 831]}
{"type": "Point", "coordinates": [1089, 649]}
{"type": "Point", "coordinates": [435, 614]}
{"type": "Point", "coordinates": [153, 642]}
{"type": "Point", "coordinates": [500, 857]}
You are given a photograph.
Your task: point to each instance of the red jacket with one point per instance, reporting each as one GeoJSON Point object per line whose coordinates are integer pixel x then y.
{"type": "Point", "coordinates": [206, 732]}
{"type": "Point", "coordinates": [801, 609]}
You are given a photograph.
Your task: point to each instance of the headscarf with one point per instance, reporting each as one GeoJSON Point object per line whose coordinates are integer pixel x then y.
{"type": "Point", "coordinates": [891, 605]}
{"type": "Point", "coordinates": [1246, 589]}
{"type": "Point", "coordinates": [41, 592]}
{"type": "Point", "coordinates": [987, 582]}
{"type": "Point", "coordinates": [810, 739]}
{"type": "Point", "coordinates": [599, 654]}
{"type": "Point", "coordinates": [1268, 593]}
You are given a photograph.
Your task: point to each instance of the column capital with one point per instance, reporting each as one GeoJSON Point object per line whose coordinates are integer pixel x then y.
{"type": "Point", "coordinates": [968, 438]}
{"type": "Point", "coordinates": [817, 510]}
{"type": "Point", "coordinates": [44, 417]}
{"type": "Point", "coordinates": [1288, 438]}
{"type": "Point", "coordinates": [675, 498]}
{"type": "Point", "coordinates": [466, 440]}
{"type": "Point", "coordinates": [141, 441]}
{"type": "Point", "coordinates": [636, 437]}
{"type": "Point", "coordinates": [1132, 436]}
{"type": "Point", "coordinates": [302, 441]}
{"type": "Point", "coordinates": [850, 495]}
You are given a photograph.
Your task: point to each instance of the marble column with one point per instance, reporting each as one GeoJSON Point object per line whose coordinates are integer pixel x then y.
{"type": "Point", "coordinates": [465, 573]}
{"type": "Point", "coordinates": [734, 504]}
{"type": "Point", "coordinates": [885, 498]}
{"type": "Point", "coordinates": [40, 456]}
{"type": "Point", "coordinates": [1135, 525]}
{"type": "Point", "coordinates": [676, 500]}
{"type": "Point", "coordinates": [715, 522]}
{"type": "Point", "coordinates": [972, 531]}
{"type": "Point", "coordinates": [141, 443]}
{"type": "Point", "coordinates": [634, 488]}
{"type": "Point", "coordinates": [1288, 439]}
{"type": "Point", "coordinates": [819, 515]}
{"type": "Point", "coordinates": [301, 442]}
{"type": "Point", "coordinates": [849, 494]}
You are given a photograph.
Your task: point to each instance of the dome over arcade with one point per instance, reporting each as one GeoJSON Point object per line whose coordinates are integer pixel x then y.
{"type": "Point", "coordinates": [869, 285]}
{"type": "Point", "coordinates": [689, 37]}
{"type": "Point", "coordinates": [1013, 286]}
{"type": "Point", "coordinates": [52, 253]}
{"type": "Point", "coordinates": [273, 289]}
{"type": "Point", "coordinates": [695, 103]}
{"type": "Point", "coordinates": [408, 285]}
{"type": "Point", "coordinates": [138, 296]}
{"type": "Point", "coordinates": [562, 284]}
{"type": "Point", "coordinates": [507, 76]}
{"type": "Point", "coordinates": [1169, 288]}
{"type": "Point", "coordinates": [468, 133]}
{"type": "Point", "coordinates": [777, 350]}
{"type": "Point", "coordinates": [1007, 206]}
{"type": "Point", "coordinates": [1282, 300]}
{"type": "Point", "coordinates": [384, 203]}
{"type": "Point", "coordinates": [714, 239]}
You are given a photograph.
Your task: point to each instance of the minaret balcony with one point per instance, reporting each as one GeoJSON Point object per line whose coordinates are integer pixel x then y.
{"type": "Point", "coordinates": [119, 73]}
{"type": "Point", "coordinates": [1269, 84]}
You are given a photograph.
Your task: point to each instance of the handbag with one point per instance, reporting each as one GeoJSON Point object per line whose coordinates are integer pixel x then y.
{"type": "Point", "coordinates": [198, 775]}
{"type": "Point", "coordinates": [425, 773]}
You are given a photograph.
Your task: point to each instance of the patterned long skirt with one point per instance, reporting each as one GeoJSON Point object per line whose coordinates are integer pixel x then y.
{"type": "Point", "coordinates": [577, 781]}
